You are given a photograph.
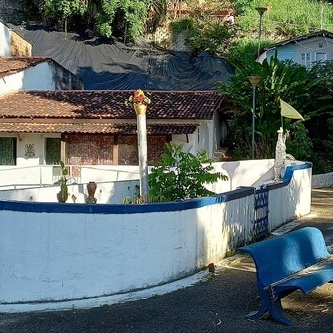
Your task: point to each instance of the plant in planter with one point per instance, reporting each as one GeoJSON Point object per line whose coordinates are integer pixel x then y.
{"type": "Point", "coordinates": [138, 199]}
{"type": "Point", "coordinates": [62, 196]}
{"type": "Point", "coordinates": [181, 175]}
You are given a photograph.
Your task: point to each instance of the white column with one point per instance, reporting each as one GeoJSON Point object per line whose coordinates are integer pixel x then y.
{"type": "Point", "coordinates": [142, 151]}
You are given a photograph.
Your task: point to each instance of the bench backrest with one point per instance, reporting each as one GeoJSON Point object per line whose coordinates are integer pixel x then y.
{"type": "Point", "coordinates": [278, 257]}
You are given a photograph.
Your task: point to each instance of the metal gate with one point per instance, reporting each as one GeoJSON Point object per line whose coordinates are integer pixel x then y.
{"type": "Point", "coordinates": [260, 222]}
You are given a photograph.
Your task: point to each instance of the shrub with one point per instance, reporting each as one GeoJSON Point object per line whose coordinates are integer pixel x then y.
{"type": "Point", "coordinates": [181, 175]}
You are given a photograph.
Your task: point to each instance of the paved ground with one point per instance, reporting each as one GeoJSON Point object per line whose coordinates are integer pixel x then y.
{"type": "Point", "coordinates": [217, 305]}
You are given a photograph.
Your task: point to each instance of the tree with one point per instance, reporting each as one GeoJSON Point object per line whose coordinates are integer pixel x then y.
{"type": "Point", "coordinates": [320, 111]}
{"type": "Point", "coordinates": [32, 9]}
{"type": "Point", "coordinates": [64, 9]}
{"type": "Point", "coordinates": [127, 19]}
{"type": "Point", "coordinates": [181, 175]}
{"type": "Point", "coordinates": [204, 31]}
{"type": "Point", "coordinates": [157, 12]}
{"type": "Point", "coordinates": [122, 17]}
{"type": "Point", "coordinates": [281, 79]}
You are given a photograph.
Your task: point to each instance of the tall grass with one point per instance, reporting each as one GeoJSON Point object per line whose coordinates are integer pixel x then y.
{"type": "Point", "coordinates": [284, 18]}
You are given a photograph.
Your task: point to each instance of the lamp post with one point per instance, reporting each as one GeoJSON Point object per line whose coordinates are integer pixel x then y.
{"type": "Point", "coordinates": [254, 79]}
{"type": "Point", "coordinates": [261, 11]}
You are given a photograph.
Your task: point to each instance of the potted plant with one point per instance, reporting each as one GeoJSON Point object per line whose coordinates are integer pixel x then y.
{"type": "Point", "coordinates": [62, 196]}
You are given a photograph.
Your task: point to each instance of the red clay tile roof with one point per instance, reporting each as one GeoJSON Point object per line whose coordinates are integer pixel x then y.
{"type": "Point", "coordinates": [83, 111]}
{"type": "Point", "coordinates": [101, 128]}
{"type": "Point", "coordinates": [108, 104]}
{"type": "Point", "coordinates": [14, 64]}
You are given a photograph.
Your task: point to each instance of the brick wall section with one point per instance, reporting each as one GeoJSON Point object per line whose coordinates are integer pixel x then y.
{"type": "Point", "coordinates": [89, 149]}
{"type": "Point", "coordinates": [97, 149]}
{"type": "Point", "coordinates": [20, 47]}
{"type": "Point", "coordinates": [156, 147]}
{"type": "Point", "coordinates": [128, 149]}
{"type": "Point", "coordinates": [165, 37]}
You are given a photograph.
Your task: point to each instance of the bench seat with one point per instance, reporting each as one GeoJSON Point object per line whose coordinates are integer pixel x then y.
{"type": "Point", "coordinates": [298, 260]}
{"type": "Point", "coordinates": [306, 281]}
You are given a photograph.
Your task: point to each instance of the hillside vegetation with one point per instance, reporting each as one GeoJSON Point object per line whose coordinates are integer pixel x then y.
{"type": "Point", "coordinates": [128, 20]}
{"type": "Point", "coordinates": [283, 19]}
{"type": "Point", "coordinates": [308, 90]}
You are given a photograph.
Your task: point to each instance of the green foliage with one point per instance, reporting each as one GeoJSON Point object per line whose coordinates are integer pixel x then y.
{"type": "Point", "coordinates": [32, 9]}
{"type": "Point", "coordinates": [63, 194]}
{"type": "Point", "coordinates": [320, 111]}
{"type": "Point", "coordinates": [298, 143]}
{"type": "Point", "coordinates": [126, 17]}
{"type": "Point", "coordinates": [181, 175]}
{"type": "Point", "coordinates": [182, 24]}
{"type": "Point", "coordinates": [242, 52]}
{"type": "Point", "coordinates": [322, 154]}
{"type": "Point", "coordinates": [280, 79]}
{"type": "Point", "coordinates": [310, 92]}
{"type": "Point", "coordinates": [212, 35]}
{"type": "Point", "coordinates": [157, 13]}
{"type": "Point", "coordinates": [135, 13]}
{"type": "Point", "coordinates": [283, 18]}
{"type": "Point", "coordinates": [64, 8]}
{"type": "Point", "coordinates": [204, 32]}
{"type": "Point", "coordinates": [138, 199]}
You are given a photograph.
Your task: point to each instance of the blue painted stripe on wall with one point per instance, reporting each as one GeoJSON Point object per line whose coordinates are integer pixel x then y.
{"type": "Point", "coordinates": [288, 175]}
{"type": "Point", "coordinates": [76, 208]}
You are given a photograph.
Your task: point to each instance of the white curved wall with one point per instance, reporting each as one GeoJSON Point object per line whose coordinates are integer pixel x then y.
{"type": "Point", "coordinates": [72, 252]}
{"type": "Point", "coordinates": [56, 256]}
{"type": "Point", "coordinates": [240, 173]}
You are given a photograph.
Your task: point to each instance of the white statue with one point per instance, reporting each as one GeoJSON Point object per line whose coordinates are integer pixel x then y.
{"type": "Point", "coordinates": [280, 154]}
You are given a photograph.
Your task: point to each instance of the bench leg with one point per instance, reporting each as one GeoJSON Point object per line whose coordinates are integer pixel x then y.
{"type": "Point", "coordinates": [258, 314]}
{"type": "Point", "coordinates": [274, 309]}
{"type": "Point", "coordinates": [276, 312]}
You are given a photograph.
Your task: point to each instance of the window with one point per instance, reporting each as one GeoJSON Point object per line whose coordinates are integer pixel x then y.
{"type": "Point", "coordinates": [321, 56]}
{"type": "Point", "coordinates": [305, 59]}
{"type": "Point", "coordinates": [7, 151]}
{"type": "Point", "coordinates": [52, 150]}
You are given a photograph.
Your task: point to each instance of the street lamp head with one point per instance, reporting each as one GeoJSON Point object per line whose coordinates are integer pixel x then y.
{"type": "Point", "coordinates": [254, 79]}
{"type": "Point", "coordinates": [261, 10]}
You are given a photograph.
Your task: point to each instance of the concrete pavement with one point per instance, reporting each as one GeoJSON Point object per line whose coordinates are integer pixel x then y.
{"type": "Point", "coordinates": [218, 304]}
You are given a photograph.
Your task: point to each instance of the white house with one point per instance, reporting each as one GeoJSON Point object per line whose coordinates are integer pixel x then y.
{"type": "Point", "coordinates": [35, 73]}
{"type": "Point", "coordinates": [47, 118]}
{"type": "Point", "coordinates": [12, 44]}
{"type": "Point", "coordinates": [84, 127]}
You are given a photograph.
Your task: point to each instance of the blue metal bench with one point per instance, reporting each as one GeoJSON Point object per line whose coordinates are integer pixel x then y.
{"type": "Point", "coordinates": [298, 260]}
